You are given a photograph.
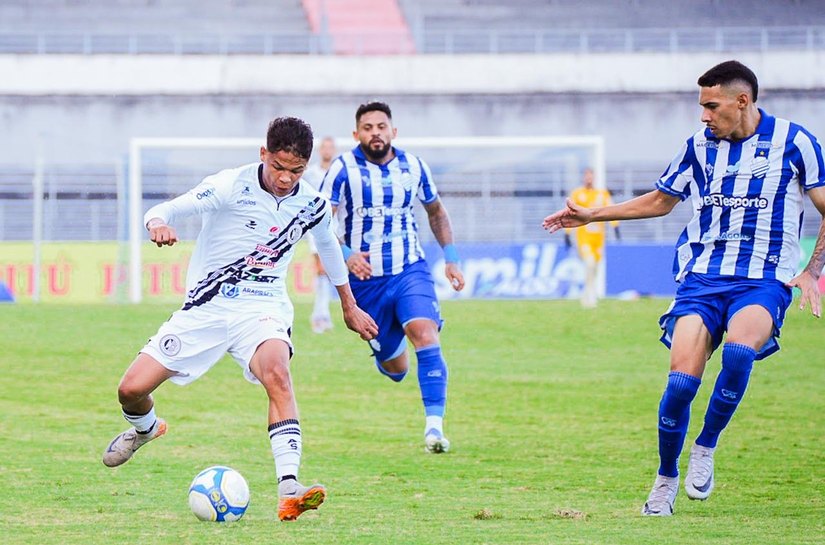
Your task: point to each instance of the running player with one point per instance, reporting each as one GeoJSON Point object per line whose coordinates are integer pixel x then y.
{"type": "Point", "coordinates": [736, 261]}
{"type": "Point", "coordinates": [371, 189]}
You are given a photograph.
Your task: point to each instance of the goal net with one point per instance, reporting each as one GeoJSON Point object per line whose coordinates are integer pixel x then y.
{"type": "Point", "coordinates": [497, 189]}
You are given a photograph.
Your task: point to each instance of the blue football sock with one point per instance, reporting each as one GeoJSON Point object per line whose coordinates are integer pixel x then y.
{"type": "Point", "coordinates": [737, 362]}
{"type": "Point", "coordinates": [432, 379]}
{"type": "Point", "coordinates": [395, 377]}
{"type": "Point", "coordinates": [674, 416]}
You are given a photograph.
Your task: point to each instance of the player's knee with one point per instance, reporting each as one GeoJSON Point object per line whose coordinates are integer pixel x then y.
{"type": "Point", "coordinates": [129, 392]}
{"type": "Point", "coordinates": [275, 378]}
{"type": "Point", "coordinates": [423, 333]}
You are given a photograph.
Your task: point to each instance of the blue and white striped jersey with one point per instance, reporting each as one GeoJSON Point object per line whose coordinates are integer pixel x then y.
{"type": "Point", "coordinates": [747, 200]}
{"type": "Point", "coordinates": [375, 206]}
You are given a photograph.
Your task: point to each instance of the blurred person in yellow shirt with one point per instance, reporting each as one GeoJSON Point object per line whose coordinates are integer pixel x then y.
{"type": "Point", "coordinates": [590, 238]}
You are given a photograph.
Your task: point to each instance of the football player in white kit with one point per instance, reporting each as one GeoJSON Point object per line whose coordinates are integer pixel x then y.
{"type": "Point", "coordinates": [320, 320]}
{"type": "Point", "coordinates": [237, 302]}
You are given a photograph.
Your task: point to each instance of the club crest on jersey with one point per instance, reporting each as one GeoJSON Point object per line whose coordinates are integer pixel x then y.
{"type": "Point", "coordinates": [294, 234]}
{"type": "Point", "coordinates": [170, 345]}
{"type": "Point", "coordinates": [230, 290]}
{"type": "Point", "coordinates": [760, 166]}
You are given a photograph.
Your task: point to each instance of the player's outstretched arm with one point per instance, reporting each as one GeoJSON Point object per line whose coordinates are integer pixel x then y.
{"type": "Point", "coordinates": [808, 280]}
{"type": "Point", "coordinates": [160, 233]}
{"type": "Point", "coordinates": [356, 319]}
{"type": "Point", "coordinates": [443, 231]}
{"type": "Point", "coordinates": [650, 205]}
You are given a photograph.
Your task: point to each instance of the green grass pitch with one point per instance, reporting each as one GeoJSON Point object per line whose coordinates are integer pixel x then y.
{"type": "Point", "coordinates": [551, 412]}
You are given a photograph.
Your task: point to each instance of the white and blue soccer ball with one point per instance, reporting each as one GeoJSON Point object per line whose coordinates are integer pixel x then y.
{"type": "Point", "coordinates": [219, 494]}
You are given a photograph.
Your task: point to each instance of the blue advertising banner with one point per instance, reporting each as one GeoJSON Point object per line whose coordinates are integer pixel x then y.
{"type": "Point", "coordinates": [551, 271]}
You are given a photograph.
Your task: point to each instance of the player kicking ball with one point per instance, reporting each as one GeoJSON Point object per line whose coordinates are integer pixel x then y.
{"type": "Point", "coordinates": [237, 302]}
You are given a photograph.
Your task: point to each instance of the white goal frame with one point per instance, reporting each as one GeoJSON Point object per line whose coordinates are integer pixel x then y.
{"type": "Point", "coordinates": [138, 145]}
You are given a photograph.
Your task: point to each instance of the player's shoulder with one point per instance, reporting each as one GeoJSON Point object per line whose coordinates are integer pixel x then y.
{"type": "Point", "coordinates": [231, 176]}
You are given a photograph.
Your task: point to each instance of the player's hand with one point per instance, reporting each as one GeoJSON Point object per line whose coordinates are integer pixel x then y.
{"type": "Point", "coordinates": [571, 215]}
{"type": "Point", "coordinates": [359, 265]}
{"type": "Point", "coordinates": [454, 275]}
{"type": "Point", "coordinates": [359, 321]}
{"type": "Point", "coordinates": [162, 234]}
{"type": "Point", "coordinates": [809, 285]}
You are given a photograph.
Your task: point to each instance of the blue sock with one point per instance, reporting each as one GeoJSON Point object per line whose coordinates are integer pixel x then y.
{"type": "Point", "coordinates": [737, 362]}
{"type": "Point", "coordinates": [432, 379]}
{"type": "Point", "coordinates": [395, 377]}
{"type": "Point", "coordinates": [674, 416]}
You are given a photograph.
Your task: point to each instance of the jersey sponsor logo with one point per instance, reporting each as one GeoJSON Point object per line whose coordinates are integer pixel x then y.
{"type": "Point", "coordinates": [274, 229]}
{"type": "Point", "coordinates": [205, 194]}
{"type": "Point", "coordinates": [170, 345]}
{"type": "Point", "coordinates": [370, 237]}
{"type": "Point", "coordinates": [381, 211]}
{"type": "Point", "coordinates": [724, 237]}
{"type": "Point", "coordinates": [257, 292]}
{"type": "Point", "coordinates": [706, 144]}
{"type": "Point", "coordinates": [229, 291]}
{"type": "Point", "coordinates": [246, 190]}
{"type": "Point", "coordinates": [306, 216]}
{"type": "Point", "coordinates": [264, 264]}
{"type": "Point", "coordinates": [251, 224]}
{"type": "Point", "coordinates": [267, 250]}
{"type": "Point", "coordinates": [734, 168]}
{"type": "Point", "coordinates": [246, 202]}
{"type": "Point", "coordinates": [765, 145]}
{"type": "Point", "coordinates": [709, 170]}
{"type": "Point", "coordinates": [718, 199]}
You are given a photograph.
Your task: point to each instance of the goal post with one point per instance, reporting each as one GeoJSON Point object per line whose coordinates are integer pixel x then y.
{"type": "Point", "coordinates": [486, 179]}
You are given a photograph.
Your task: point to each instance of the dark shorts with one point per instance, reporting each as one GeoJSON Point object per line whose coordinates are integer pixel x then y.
{"type": "Point", "coordinates": [717, 298]}
{"type": "Point", "coordinates": [393, 302]}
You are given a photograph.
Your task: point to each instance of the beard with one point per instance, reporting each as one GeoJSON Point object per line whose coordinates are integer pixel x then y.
{"type": "Point", "coordinates": [376, 155]}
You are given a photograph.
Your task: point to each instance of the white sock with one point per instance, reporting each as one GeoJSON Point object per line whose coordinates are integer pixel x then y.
{"type": "Point", "coordinates": [322, 296]}
{"type": "Point", "coordinates": [142, 422]}
{"type": "Point", "coordinates": [434, 423]}
{"type": "Point", "coordinates": [285, 437]}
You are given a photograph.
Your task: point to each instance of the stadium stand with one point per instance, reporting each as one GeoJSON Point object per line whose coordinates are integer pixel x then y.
{"type": "Point", "coordinates": [361, 27]}
{"type": "Point", "coordinates": [405, 26]}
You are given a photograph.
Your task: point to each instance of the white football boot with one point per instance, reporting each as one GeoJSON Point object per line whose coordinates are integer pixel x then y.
{"type": "Point", "coordinates": [122, 447]}
{"type": "Point", "coordinates": [662, 497]}
{"type": "Point", "coordinates": [435, 442]}
{"type": "Point", "coordinates": [699, 480]}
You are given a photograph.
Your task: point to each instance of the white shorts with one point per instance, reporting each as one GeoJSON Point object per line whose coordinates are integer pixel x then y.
{"type": "Point", "coordinates": [193, 340]}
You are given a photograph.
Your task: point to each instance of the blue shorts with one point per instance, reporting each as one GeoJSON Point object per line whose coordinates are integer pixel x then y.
{"type": "Point", "coordinates": [393, 302]}
{"type": "Point", "coordinates": [717, 298]}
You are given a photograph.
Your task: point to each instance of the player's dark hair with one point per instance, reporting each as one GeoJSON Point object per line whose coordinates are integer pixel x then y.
{"type": "Point", "coordinates": [289, 134]}
{"type": "Point", "coordinates": [729, 72]}
{"type": "Point", "coordinates": [373, 106]}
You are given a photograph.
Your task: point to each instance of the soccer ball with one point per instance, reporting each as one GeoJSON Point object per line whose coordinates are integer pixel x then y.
{"type": "Point", "coordinates": [219, 494]}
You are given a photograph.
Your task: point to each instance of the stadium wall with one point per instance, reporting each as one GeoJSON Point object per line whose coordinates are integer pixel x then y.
{"type": "Point", "coordinates": [83, 109]}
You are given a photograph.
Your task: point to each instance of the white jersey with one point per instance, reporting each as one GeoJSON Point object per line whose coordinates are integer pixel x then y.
{"type": "Point", "coordinates": [248, 237]}
{"type": "Point", "coordinates": [375, 206]}
{"type": "Point", "coordinates": [747, 200]}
